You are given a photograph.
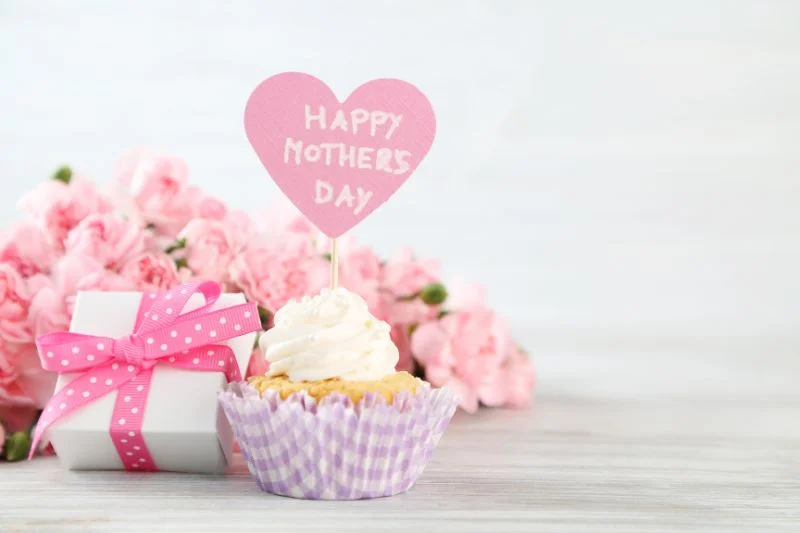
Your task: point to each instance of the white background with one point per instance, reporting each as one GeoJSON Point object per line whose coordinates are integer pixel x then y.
{"type": "Point", "coordinates": [624, 174]}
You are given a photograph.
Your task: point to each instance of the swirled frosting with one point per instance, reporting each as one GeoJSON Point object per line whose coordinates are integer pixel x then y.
{"type": "Point", "coordinates": [330, 335]}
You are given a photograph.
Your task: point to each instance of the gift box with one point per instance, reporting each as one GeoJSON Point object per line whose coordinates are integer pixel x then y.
{"type": "Point", "coordinates": [172, 350]}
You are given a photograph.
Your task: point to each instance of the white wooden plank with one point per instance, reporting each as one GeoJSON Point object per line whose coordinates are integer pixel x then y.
{"type": "Point", "coordinates": [696, 455]}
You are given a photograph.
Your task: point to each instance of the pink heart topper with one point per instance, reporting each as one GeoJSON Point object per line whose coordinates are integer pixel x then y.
{"type": "Point", "coordinates": [338, 162]}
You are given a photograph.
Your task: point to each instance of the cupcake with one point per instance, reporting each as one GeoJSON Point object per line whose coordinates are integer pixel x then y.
{"type": "Point", "coordinates": [332, 419]}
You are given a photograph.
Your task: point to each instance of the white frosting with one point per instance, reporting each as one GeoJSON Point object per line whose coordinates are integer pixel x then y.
{"type": "Point", "coordinates": [330, 335]}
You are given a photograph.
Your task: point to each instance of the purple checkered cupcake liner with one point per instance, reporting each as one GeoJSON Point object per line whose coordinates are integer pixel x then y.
{"type": "Point", "coordinates": [332, 449]}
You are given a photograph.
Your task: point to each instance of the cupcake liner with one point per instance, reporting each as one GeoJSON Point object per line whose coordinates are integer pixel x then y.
{"type": "Point", "coordinates": [332, 449]}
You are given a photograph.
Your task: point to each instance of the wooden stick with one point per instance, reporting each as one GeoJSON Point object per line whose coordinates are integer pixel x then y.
{"type": "Point", "coordinates": [334, 263]}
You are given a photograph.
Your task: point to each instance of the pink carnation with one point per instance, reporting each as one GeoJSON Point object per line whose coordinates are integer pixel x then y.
{"type": "Point", "coordinates": [211, 245]}
{"type": "Point", "coordinates": [108, 238]}
{"type": "Point", "coordinates": [151, 271]}
{"type": "Point", "coordinates": [520, 377]}
{"type": "Point", "coordinates": [405, 276]}
{"type": "Point", "coordinates": [27, 249]}
{"type": "Point", "coordinates": [401, 339]}
{"type": "Point", "coordinates": [17, 417]}
{"type": "Point", "coordinates": [258, 365]}
{"type": "Point", "coordinates": [15, 300]}
{"type": "Point", "coordinates": [22, 380]}
{"type": "Point", "coordinates": [73, 242]}
{"type": "Point", "coordinates": [284, 226]}
{"type": "Point", "coordinates": [57, 207]}
{"type": "Point", "coordinates": [360, 271]}
{"type": "Point", "coordinates": [50, 311]}
{"type": "Point", "coordinates": [471, 352]}
{"type": "Point", "coordinates": [210, 208]}
{"type": "Point", "coordinates": [54, 298]}
{"type": "Point", "coordinates": [271, 274]}
{"type": "Point", "coordinates": [154, 191]}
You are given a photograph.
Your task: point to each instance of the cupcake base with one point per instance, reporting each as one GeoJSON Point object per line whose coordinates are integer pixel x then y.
{"type": "Point", "coordinates": [332, 449]}
{"type": "Point", "coordinates": [387, 387]}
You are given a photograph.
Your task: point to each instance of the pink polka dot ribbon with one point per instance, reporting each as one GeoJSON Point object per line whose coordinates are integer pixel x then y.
{"type": "Point", "coordinates": [164, 335]}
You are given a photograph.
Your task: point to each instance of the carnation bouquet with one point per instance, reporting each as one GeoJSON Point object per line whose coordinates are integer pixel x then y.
{"type": "Point", "coordinates": [152, 230]}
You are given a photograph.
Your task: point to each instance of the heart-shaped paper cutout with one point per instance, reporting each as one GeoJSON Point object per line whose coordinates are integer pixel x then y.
{"type": "Point", "coordinates": [337, 162]}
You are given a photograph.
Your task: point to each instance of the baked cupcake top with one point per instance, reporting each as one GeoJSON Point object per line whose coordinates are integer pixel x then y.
{"type": "Point", "coordinates": [330, 335]}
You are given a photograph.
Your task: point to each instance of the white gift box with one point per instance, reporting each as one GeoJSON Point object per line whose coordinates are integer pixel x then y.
{"type": "Point", "coordinates": [183, 426]}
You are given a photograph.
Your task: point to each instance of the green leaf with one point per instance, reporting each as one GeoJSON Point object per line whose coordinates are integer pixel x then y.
{"type": "Point", "coordinates": [418, 370]}
{"type": "Point", "coordinates": [18, 444]}
{"type": "Point", "coordinates": [63, 174]}
{"type": "Point", "coordinates": [443, 313]}
{"type": "Point", "coordinates": [265, 316]}
{"type": "Point", "coordinates": [181, 263]}
{"type": "Point", "coordinates": [433, 294]}
{"type": "Point", "coordinates": [408, 297]}
{"type": "Point", "coordinates": [179, 244]}
{"type": "Point", "coordinates": [326, 256]}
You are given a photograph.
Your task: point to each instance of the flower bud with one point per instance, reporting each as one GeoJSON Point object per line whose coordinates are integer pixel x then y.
{"type": "Point", "coordinates": [265, 316]}
{"type": "Point", "coordinates": [17, 446]}
{"type": "Point", "coordinates": [433, 293]}
{"type": "Point", "coordinates": [63, 174]}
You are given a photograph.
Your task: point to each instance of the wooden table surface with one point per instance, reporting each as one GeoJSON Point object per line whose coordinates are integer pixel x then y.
{"type": "Point", "coordinates": [669, 441]}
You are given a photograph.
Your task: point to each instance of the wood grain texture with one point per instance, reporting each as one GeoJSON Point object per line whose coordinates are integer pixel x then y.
{"type": "Point", "coordinates": [714, 446]}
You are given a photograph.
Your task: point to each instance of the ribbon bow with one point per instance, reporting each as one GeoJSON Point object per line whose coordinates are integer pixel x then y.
{"type": "Point", "coordinates": [163, 335]}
